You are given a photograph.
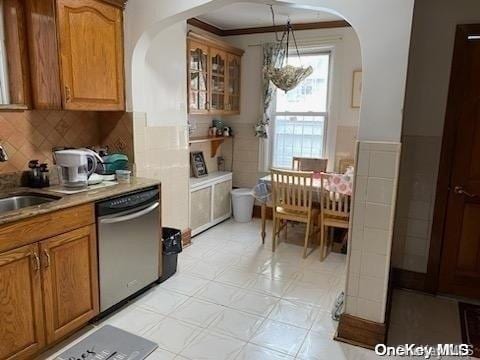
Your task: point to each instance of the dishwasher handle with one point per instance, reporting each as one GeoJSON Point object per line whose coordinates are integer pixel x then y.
{"type": "Point", "coordinates": [135, 215]}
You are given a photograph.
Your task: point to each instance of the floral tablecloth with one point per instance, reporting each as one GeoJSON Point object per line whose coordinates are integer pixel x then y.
{"type": "Point", "coordinates": [339, 183]}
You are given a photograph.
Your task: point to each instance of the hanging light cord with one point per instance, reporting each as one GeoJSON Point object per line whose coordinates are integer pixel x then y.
{"type": "Point", "coordinates": [273, 22]}
{"type": "Point", "coordinates": [286, 33]}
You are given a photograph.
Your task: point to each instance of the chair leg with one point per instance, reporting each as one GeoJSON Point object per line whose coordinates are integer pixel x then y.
{"type": "Point", "coordinates": [286, 227]}
{"type": "Point", "coordinates": [322, 239]}
{"type": "Point", "coordinates": [307, 237]}
{"type": "Point", "coordinates": [326, 243]}
{"type": "Point", "coordinates": [274, 233]}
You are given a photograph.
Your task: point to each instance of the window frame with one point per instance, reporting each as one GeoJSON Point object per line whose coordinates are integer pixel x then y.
{"type": "Point", "coordinates": [324, 114]}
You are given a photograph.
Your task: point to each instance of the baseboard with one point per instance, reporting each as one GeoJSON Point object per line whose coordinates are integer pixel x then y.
{"type": "Point", "coordinates": [360, 332]}
{"type": "Point", "coordinates": [257, 212]}
{"type": "Point", "coordinates": [407, 279]}
{"type": "Point", "coordinates": [186, 237]}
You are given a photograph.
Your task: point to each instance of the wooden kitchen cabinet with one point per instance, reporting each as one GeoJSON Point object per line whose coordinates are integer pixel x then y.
{"type": "Point", "coordinates": [48, 279]}
{"type": "Point", "coordinates": [218, 62]}
{"type": "Point", "coordinates": [70, 281]}
{"type": "Point", "coordinates": [21, 303]}
{"type": "Point", "coordinates": [233, 84]}
{"type": "Point", "coordinates": [198, 77]}
{"type": "Point", "coordinates": [76, 54]}
{"type": "Point", "coordinates": [214, 71]}
{"type": "Point", "coordinates": [91, 55]}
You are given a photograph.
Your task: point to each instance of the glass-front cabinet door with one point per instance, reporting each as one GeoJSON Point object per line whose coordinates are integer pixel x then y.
{"type": "Point", "coordinates": [198, 78]}
{"type": "Point", "coordinates": [233, 87]}
{"type": "Point", "coordinates": [218, 61]}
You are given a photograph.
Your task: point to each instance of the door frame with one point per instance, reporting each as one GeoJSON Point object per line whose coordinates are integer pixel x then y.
{"type": "Point", "coordinates": [447, 155]}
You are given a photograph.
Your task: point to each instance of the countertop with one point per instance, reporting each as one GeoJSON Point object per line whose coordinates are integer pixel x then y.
{"type": "Point", "coordinates": [67, 201]}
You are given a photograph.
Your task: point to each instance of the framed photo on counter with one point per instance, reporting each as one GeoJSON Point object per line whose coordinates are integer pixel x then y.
{"type": "Point", "coordinates": [197, 162]}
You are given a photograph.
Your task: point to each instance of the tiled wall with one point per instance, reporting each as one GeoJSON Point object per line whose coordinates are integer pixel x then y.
{"type": "Point", "coordinates": [162, 152]}
{"type": "Point", "coordinates": [415, 203]}
{"type": "Point", "coordinates": [245, 155]}
{"type": "Point", "coordinates": [28, 135]}
{"type": "Point", "coordinates": [372, 227]}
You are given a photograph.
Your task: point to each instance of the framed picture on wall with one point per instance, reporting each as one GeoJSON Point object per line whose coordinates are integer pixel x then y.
{"type": "Point", "coordinates": [357, 89]}
{"type": "Point", "coordinates": [197, 161]}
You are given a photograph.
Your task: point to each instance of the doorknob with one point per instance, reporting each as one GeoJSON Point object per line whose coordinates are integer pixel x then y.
{"type": "Point", "coordinates": [459, 190]}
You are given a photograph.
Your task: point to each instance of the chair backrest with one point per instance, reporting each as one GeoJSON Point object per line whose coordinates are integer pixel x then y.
{"type": "Point", "coordinates": [292, 190]}
{"type": "Point", "coordinates": [309, 164]}
{"type": "Point", "coordinates": [343, 164]}
{"type": "Point", "coordinates": [333, 203]}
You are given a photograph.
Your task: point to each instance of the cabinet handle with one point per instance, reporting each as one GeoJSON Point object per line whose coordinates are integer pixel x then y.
{"type": "Point", "coordinates": [36, 258]}
{"type": "Point", "coordinates": [68, 96]}
{"type": "Point", "coordinates": [47, 257]}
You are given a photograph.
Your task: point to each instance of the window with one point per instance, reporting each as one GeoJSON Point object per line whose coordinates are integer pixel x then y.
{"type": "Point", "coordinates": [300, 115]}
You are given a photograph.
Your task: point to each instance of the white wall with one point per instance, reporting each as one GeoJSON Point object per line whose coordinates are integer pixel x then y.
{"type": "Point", "coordinates": [161, 133]}
{"type": "Point", "coordinates": [431, 53]}
{"type": "Point", "coordinates": [383, 27]}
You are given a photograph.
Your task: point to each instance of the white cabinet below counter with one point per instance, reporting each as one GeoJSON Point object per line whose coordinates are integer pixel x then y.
{"type": "Point", "coordinates": [210, 200]}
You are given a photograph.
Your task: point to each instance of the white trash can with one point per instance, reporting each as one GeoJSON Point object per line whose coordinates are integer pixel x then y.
{"type": "Point", "coordinates": [242, 200]}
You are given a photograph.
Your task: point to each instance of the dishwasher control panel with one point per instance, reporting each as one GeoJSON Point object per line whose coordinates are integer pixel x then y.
{"type": "Point", "coordinates": [127, 201]}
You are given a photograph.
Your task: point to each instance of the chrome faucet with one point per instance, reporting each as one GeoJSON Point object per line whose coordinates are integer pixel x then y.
{"type": "Point", "coordinates": [3, 154]}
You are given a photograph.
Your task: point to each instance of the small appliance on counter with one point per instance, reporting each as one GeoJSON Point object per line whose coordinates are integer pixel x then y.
{"type": "Point", "coordinates": [38, 175]}
{"type": "Point", "coordinates": [75, 166]}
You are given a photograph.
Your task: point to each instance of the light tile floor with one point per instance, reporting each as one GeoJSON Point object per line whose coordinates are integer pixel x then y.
{"type": "Point", "coordinates": [233, 299]}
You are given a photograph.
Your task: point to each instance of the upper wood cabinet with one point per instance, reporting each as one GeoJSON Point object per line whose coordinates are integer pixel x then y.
{"type": "Point", "coordinates": [91, 55]}
{"type": "Point", "coordinates": [76, 54]}
{"type": "Point", "coordinates": [213, 76]}
{"type": "Point", "coordinates": [14, 69]}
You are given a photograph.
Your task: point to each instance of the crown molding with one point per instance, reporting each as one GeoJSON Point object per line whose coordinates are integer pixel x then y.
{"type": "Point", "coordinates": [265, 29]}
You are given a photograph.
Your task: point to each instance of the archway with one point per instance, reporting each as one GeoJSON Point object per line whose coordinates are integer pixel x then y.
{"type": "Point", "coordinates": [383, 28]}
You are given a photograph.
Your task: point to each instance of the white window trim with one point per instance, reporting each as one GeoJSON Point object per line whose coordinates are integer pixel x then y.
{"type": "Point", "coordinates": [268, 146]}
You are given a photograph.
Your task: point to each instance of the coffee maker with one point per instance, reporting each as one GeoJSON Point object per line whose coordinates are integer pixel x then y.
{"type": "Point", "coordinates": [75, 166]}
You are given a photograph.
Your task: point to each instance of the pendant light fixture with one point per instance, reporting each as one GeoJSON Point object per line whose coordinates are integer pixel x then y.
{"type": "Point", "coordinates": [286, 76]}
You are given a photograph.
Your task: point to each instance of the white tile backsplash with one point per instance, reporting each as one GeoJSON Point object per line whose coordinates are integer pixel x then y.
{"type": "Point", "coordinates": [377, 216]}
{"type": "Point", "coordinates": [383, 164]}
{"type": "Point", "coordinates": [374, 240]}
{"type": "Point", "coordinates": [379, 190]}
{"type": "Point", "coordinates": [373, 264]}
{"type": "Point", "coordinates": [370, 288]}
{"type": "Point", "coordinates": [370, 310]}
{"type": "Point", "coordinates": [372, 229]}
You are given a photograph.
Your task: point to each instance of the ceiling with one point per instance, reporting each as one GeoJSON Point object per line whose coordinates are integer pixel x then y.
{"type": "Point", "coordinates": [249, 14]}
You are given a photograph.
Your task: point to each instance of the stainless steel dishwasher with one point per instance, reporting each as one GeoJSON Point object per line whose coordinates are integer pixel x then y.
{"type": "Point", "coordinates": [129, 236]}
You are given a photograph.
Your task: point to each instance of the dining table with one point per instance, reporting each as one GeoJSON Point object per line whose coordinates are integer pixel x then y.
{"type": "Point", "coordinates": [337, 183]}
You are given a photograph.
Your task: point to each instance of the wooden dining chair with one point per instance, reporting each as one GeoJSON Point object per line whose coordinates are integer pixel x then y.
{"type": "Point", "coordinates": [309, 164]}
{"type": "Point", "coordinates": [334, 212]}
{"type": "Point", "coordinates": [292, 201]}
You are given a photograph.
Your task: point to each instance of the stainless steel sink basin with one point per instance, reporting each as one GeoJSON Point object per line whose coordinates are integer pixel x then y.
{"type": "Point", "coordinates": [20, 201]}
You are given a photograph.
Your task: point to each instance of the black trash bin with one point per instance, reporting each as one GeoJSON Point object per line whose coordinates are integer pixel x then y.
{"type": "Point", "coordinates": [172, 246]}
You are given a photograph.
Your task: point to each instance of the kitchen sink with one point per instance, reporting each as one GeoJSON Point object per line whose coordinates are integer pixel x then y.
{"type": "Point", "coordinates": [19, 201]}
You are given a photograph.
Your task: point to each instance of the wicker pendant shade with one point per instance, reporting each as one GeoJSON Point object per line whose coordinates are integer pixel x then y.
{"type": "Point", "coordinates": [284, 76]}
{"type": "Point", "coordinates": [288, 77]}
